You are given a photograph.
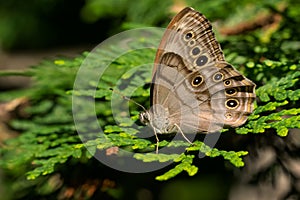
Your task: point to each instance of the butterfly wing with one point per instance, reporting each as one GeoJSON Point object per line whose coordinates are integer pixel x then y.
{"type": "Point", "coordinates": [198, 90]}
{"type": "Point", "coordinates": [188, 34]}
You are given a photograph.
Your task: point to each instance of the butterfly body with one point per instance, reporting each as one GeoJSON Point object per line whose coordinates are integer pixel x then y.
{"type": "Point", "coordinates": [193, 88]}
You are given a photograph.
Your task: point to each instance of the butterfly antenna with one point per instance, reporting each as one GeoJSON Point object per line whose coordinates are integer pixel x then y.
{"type": "Point", "coordinates": [127, 98]}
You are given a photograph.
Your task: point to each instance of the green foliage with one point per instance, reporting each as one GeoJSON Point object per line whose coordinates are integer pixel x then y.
{"type": "Point", "coordinates": [185, 161]}
{"type": "Point", "coordinates": [144, 13]}
{"type": "Point", "coordinates": [48, 134]}
{"type": "Point", "coordinates": [48, 137]}
{"type": "Point", "coordinates": [185, 165]}
{"type": "Point", "coordinates": [239, 10]}
{"type": "Point", "coordinates": [280, 96]}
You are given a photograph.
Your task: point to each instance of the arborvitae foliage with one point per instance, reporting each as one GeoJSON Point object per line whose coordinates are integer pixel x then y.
{"type": "Point", "coordinates": [48, 142]}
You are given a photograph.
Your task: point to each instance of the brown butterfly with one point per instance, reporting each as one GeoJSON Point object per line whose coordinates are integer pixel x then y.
{"type": "Point", "coordinates": [194, 89]}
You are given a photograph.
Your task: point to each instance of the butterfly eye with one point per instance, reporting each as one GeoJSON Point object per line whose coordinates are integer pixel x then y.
{"type": "Point", "coordinates": [231, 103]}
{"type": "Point", "coordinates": [218, 77]}
{"type": "Point", "coordinates": [231, 91]}
{"type": "Point", "coordinates": [227, 83]}
{"type": "Point", "coordinates": [188, 36]}
{"type": "Point", "coordinates": [197, 81]}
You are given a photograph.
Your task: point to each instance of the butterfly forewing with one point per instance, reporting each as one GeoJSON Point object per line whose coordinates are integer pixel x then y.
{"type": "Point", "coordinates": [190, 35]}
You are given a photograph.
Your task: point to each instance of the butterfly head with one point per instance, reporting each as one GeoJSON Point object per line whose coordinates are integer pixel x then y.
{"type": "Point", "coordinates": [158, 119]}
{"type": "Point", "coordinates": [145, 117]}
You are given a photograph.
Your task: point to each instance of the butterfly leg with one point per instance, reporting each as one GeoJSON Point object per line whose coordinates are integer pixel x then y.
{"type": "Point", "coordinates": [183, 134]}
{"type": "Point", "coordinates": [157, 141]}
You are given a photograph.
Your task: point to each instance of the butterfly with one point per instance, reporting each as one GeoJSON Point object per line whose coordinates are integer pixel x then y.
{"type": "Point", "coordinates": [194, 90]}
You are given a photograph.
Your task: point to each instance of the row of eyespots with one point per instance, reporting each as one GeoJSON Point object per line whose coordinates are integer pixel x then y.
{"type": "Point", "coordinates": [230, 103]}
{"type": "Point", "coordinates": [195, 51]}
{"type": "Point", "coordinates": [217, 77]}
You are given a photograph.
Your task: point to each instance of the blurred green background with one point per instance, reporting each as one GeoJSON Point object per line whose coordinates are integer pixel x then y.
{"type": "Point", "coordinates": [39, 25]}
{"type": "Point", "coordinates": [48, 23]}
